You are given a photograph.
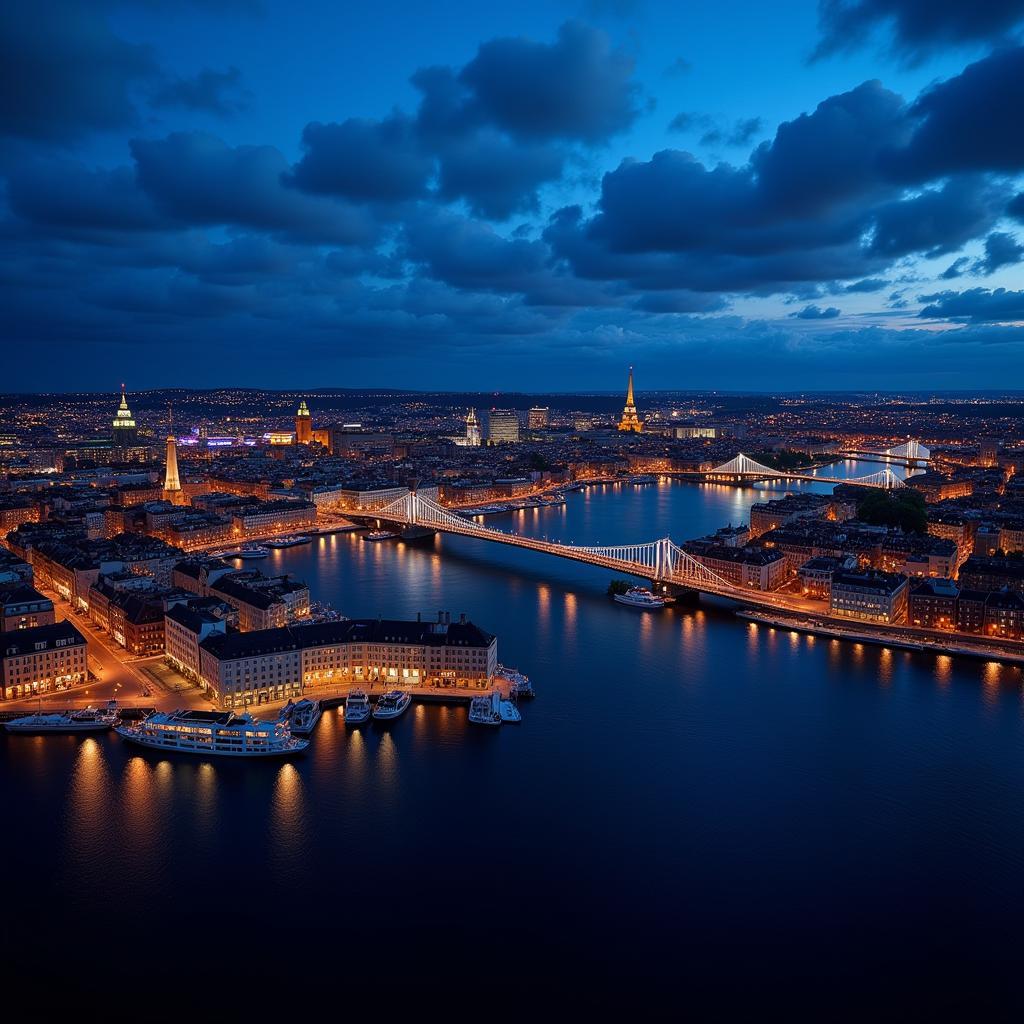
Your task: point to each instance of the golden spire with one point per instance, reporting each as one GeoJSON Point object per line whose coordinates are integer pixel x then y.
{"type": "Point", "coordinates": [630, 420]}
{"type": "Point", "coordinates": [629, 390]}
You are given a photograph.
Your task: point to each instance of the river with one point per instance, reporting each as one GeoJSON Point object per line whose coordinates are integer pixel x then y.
{"type": "Point", "coordinates": [692, 803]}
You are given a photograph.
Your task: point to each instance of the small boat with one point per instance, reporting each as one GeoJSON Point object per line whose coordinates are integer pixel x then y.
{"type": "Point", "coordinates": [392, 705]}
{"type": "Point", "coordinates": [508, 711]}
{"type": "Point", "coordinates": [289, 542]}
{"type": "Point", "coordinates": [482, 710]}
{"type": "Point", "coordinates": [379, 535]}
{"type": "Point", "coordinates": [519, 684]}
{"type": "Point", "coordinates": [357, 707]}
{"type": "Point", "coordinates": [304, 716]}
{"type": "Point", "coordinates": [644, 478]}
{"type": "Point", "coordinates": [90, 719]}
{"type": "Point", "coordinates": [251, 551]}
{"type": "Point", "coordinates": [637, 597]}
{"type": "Point", "coordinates": [216, 733]}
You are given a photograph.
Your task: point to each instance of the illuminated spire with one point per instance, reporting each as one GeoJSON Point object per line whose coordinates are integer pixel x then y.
{"type": "Point", "coordinates": [629, 390]}
{"type": "Point", "coordinates": [630, 420]}
{"type": "Point", "coordinates": [172, 484]}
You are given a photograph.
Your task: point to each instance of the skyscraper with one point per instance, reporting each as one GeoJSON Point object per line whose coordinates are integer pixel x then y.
{"type": "Point", "coordinates": [539, 418]}
{"type": "Point", "coordinates": [125, 431]}
{"type": "Point", "coordinates": [629, 420]}
{"type": "Point", "coordinates": [172, 484]}
{"type": "Point", "coordinates": [472, 430]}
{"type": "Point", "coordinates": [502, 426]}
{"type": "Point", "coordinates": [303, 424]}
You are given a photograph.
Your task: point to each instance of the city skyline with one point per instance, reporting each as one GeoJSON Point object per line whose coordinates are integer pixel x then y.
{"type": "Point", "coordinates": [183, 187]}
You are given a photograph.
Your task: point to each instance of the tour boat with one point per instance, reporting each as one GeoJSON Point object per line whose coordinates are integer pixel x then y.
{"type": "Point", "coordinates": [212, 733]}
{"type": "Point", "coordinates": [251, 551]}
{"type": "Point", "coordinates": [88, 719]}
{"type": "Point", "coordinates": [392, 705]}
{"type": "Point", "coordinates": [637, 597]}
{"type": "Point", "coordinates": [379, 535]}
{"type": "Point", "coordinates": [482, 710]}
{"type": "Point", "coordinates": [289, 542]}
{"type": "Point", "coordinates": [508, 711]}
{"type": "Point", "coordinates": [304, 716]}
{"type": "Point", "coordinates": [357, 707]}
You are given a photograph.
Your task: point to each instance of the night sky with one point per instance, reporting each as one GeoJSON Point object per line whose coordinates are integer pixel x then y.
{"type": "Point", "coordinates": [737, 195]}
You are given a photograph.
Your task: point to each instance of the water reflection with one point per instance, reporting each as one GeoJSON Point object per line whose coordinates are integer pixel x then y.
{"type": "Point", "coordinates": [289, 827]}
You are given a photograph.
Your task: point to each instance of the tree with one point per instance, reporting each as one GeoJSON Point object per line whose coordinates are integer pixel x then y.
{"type": "Point", "coordinates": [904, 508]}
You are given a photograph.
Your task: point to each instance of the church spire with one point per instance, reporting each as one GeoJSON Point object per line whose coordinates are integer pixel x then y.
{"type": "Point", "coordinates": [172, 483]}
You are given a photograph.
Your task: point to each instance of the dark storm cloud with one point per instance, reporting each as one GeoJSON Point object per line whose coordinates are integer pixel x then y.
{"type": "Point", "coordinates": [976, 305]}
{"type": "Point", "coordinates": [869, 284]}
{"type": "Point", "coordinates": [739, 133]}
{"type": "Point", "coordinates": [363, 159]}
{"type": "Point", "coordinates": [1001, 250]}
{"type": "Point", "coordinates": [215, 92]}
{"type": "Point", "coordinates": [1015, 208]}
{"type": "Point", "coordinates": [64, 74]}
{"type": "Point", "coordinates": [575, 88]}
{"type": "Point", "coordinates": [968, 123]}
{"type": "Point", "coordinates": [816, 313]}
{"type": "Point", "coordinates": [197, 178]}
{"type": "Point", "coordinates": [916, 26]}
{"type": "Point", "coordinates": [955, 269]}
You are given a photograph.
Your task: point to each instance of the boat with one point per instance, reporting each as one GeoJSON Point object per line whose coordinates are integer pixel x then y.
{"type": "Point", "coordinates": [508, 711]}
{"type": "Point", "coordinates": [212, 733]}
{"type": "Point", "coordinates": [637, 597]}
{"type": "Point", "coordinates": [304, 716]}
{"type": "Point", "coordinates": [90, 719]}
{"type": "Point", "coordinates": [289, 542]}
{"type": "Point", "coordinates": [244, 551]}
{"type": "Point", "coordinates": [392, 705]}
{"type": "Point", "coordinates": [519, 684]}
{"type": "Point", "coordinates": [482, 710]}
{"type": "Point", "coordinates": [379, 535]}
{"type": "Point", "coordinates": [357, 707]}
{"type": "Point", "coordinates": [644, 478]}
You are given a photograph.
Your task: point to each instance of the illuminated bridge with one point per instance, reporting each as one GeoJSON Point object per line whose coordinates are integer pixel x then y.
{"type": "Point", "coordinates": [742, 468]}
{"type": "Point", "coordinates": [670, 569]}
{"type": "Point", "coordinates": [911, 451]}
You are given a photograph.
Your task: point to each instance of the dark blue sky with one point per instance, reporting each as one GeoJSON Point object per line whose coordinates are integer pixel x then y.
{"type": "Point", "coordinates": [731, 195]}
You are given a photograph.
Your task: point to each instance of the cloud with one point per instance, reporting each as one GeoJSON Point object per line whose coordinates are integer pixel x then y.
{"type": "Point", "coordinates": [976, 305]}
{"type": "Point", "coordinates": [212, 92]}
{"type": "Point", "coordinates": [1001, 250]}
{"type": "Point", "coordinates": [916, 27]}
{"type": "Point", "coordinates": [813, 312]}
{"type": "Point", "coordinates": [869, 284]}
{"type": "Point", "coordinates": [196, 178]}
{"type": "Point", "coordinates": [955, 269]}
{"type": "Point", "coordinates": [64, 74]}
{"type": "Point", "coordinates": [363, 160]}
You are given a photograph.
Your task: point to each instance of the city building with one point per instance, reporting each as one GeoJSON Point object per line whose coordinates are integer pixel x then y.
{"type": "Point", "coordinates": [816, 574]}
{"type": "Point", "coordinates": [23, 607]}
{"type": "Point", "coordinates": [980, 573]}
{"type": "Point", "coordinates": [185, 628]}
{"type": "Point", "coordinates": [630, 421]}
{"type": "Point", "coordinates": [933, 604]}
{"type": "Point", "coordinates": [303, 424]}
{"type": "Point", "coordinates": [869, 595]}
{"type": "Point", "coordinates": [988, 451]}
{"type": "Point", "coordinates": [539, 418]}
{"type": "Point", "coordinates": [125, 432]}
{"type": "Point", "coordinates": [272, 517]}
{"type": "Point", "coordinates": [754, 567]}
{"type": "Point", "coordinates": [502, 426]}
{"type": "Point", "coordinates": [41, 659]}
{"type": "Point", "coordinates": [472, 430]}
{"type": "Point", "coordinates": [172, 483]}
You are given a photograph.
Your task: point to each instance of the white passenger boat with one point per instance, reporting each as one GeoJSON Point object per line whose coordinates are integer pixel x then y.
{"type": "Point", "coordinates": [213, 733]}
{"type": "Point", "coordinates": [289, 542]}
{"type": "Point", "coordinates": [88, 719]}
{"type": "Point", "coordinates": [391, 705]}
{"type": "Point", "coordinates": [484, 710]}
{"type": "Point", "coordinates": [304, 716]}
{"type": "Point", "coordinates": [508, 711]}
{"type": "Point", "coordinates": [380, 535]}
{"type": "Point", "coordinates": [357, 707]}
{"type": "Point", "coordinates": [637, 597]}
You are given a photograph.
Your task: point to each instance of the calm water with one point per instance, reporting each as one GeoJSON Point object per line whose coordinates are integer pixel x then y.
{"type": "Point", "coordinates": [693, 805]}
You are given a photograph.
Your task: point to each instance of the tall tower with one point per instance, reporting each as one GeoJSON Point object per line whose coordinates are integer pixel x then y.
{"type": "Point", "coordinates": [472, 430]}
{"type": "Point", "coordinates": [629, 420]}
{"type": "Point", "coordinates": [125, 431]}
{"type": "Point", "coordinates": [303, 424]}
{"type": "Point", "coordinates": [172, 484]}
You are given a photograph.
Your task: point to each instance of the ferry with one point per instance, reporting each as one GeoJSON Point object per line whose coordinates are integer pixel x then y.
{"type": "Point", "coordinates": [519, 684]}
{"type": "Point", "coordinates": [88, 719]}
{"type": "Point", "coordinates": [212, 733]}
{"type": "Point", "coordinates": [245, 551]}
{"type": "Point", "coordinates": [304, 716]}
{"type": "Point", "coordinates": [638, 597]}
{"type": "Point", "coordinates": [379, 535]}
{"type": "Point", "coordinates": [392, 705]}
{"type": "Point", "coordinates": [289, 542]}
{"type": "Point", "coordinates": [357, 707]}
{"type": "Point", "coordinates": [484, 710]}
{"type": "Point", "coordinates": [508, 711]}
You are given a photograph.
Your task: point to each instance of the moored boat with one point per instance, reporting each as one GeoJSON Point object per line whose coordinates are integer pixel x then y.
{"type": "Point", "coordinates": [212, 733]}
{"type": "Point", "coordinates": [379, 535]}
{"type": "Point", "coordinates": [508, 711]}
{"type": "Point", "coordinates": [357, 707]}
{"type": "Point", "coordinates": [90, 719]}
{"type": "Point", "coordinates": [304, 716]}
{"type": "Point", "coordinates": [289, 542]}
{"type": "Point", "coordinates": [638, 597]}
{"type": "Point", "coordinates": [392, 705]}
{"type": "Point", "coordinates": [519, 684]}
{"type": "Point", "coordinates": [483, 710]}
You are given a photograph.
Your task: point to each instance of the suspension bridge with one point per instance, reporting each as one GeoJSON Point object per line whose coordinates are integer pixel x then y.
{"type": "Point", "coordinates": [910, 451]}
{"type": "Point", "coordinates": [743, 469]}
{"type": "Point", "coordinates": [670, 570]}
